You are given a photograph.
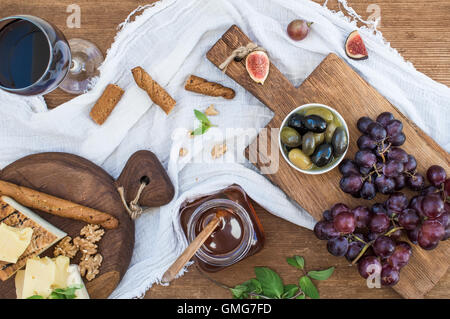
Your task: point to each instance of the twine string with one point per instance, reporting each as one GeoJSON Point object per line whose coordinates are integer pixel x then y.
{"type": "Point", "coordinates": [240, 53]}
{"type": "Point", "coordinates": [133, 209]}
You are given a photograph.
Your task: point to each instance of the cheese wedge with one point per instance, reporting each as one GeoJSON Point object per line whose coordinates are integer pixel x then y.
{"type": "Point", "coordinates": [75, 279]}
{"type": "Point", "coordinates": [44, 234]}
{"type": "Point", "coordinates": [13, 242]}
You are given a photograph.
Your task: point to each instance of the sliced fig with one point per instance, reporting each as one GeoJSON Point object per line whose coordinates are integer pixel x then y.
{"type": "Point", "coordinates": [257, 64]}
{"type": "Point", "coordinates": [354, 47]}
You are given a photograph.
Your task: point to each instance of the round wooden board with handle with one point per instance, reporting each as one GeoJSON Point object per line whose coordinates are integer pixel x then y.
{"type": "Point", "coordinates": [78, 180]}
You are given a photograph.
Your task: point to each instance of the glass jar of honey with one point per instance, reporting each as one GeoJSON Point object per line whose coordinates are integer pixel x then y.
{"type": "Point", "coordinates": [239, 234]}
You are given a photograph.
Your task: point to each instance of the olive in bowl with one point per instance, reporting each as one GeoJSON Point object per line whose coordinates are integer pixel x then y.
{"type": "Point", "coordinates": [314, 138]}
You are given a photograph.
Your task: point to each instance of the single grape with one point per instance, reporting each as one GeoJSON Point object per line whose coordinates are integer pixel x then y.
{"type": "Point", "coordinates": [351, 184]}
{"type": "Point", "coordinates": [429, 190]}
{"type": "Point", "coordinates": [365, 158]}
{"type": "Point", "coordinates": [444, 219]}
{"type": "Point", "coordinates": [319, 230]}
{"type": "Point", "coordinates": [430, 233]}
{"type": "Point", "coordinates": [398, 139]}
{"type": "Point", "coordinates": [327, 215]}
{"type": "Point", "coordinates": [393, 168]}
{"type": "Point", "coordinates": [416, 204]}
{"type": "Point", "coordinates": [415, 182]}
{"type": "Point", "coordinates": [379, 223]}
{"type": "Point", "coordinates": [378, 208]}
{"type": "Point", "coordinates": [368, 266]}
{"type": "Point", "coordinates": [354, 248]}
{"type": "Point", "coordinates": [389, 275]}
{"type": "Point", "coordinates": [384, 184]}
{"type": "Point", "coordinates": [436, 175]}
{"type": "Point", "coordinates": [401, 255]}
{"type": "Point", "coordinates": [344, 222]}
{"type": "Point", "coordinates": [384, 118]}
{"type": "Point", "coordinates": [432, 206]}
{"type": "Point", "coordinates": [339, 208]}
{"type": "Point", "coordinates": [397, 154]}
{"type": "Point", "coordinates": [329, 231]}
{"type": "Point", "coordinates": [411, 164]}
{"type": "Point", "coordinates": [400, 182]}
{"type": "Point", "coordinates": [363, 124]}
{"type": "Point", "coordinates": [397, 201]}
{"type": "Point", "coordinates": [409, 219]}
{"type": "Point", "coordinates": [394, 128]}
{"type": "Point", "coordinates": [337, 246]}
{"type": "Point", "coordinates": [368, 190]}
{"type": "Point", "coordinates": [383, 246]}
{"type": "Point", "coordinates": [366, 143]}
{"type": "Point", "coordinates": [376, 131]}
{"type": "Point", "coordinates": [362, 216]}
{"type": "Point", "coordinates": [348, 167]}
{"type": "Point", "coordinates": [413, 235]}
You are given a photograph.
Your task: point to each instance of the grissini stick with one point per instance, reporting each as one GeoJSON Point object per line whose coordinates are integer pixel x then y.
{"type": "Point", "coordinates": [56, 206]}
{"type": "Point", "coordinates": [195, 245]}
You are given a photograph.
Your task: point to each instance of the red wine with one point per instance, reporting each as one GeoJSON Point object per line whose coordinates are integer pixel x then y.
{"type": "Point", "coordinates": [24, 52]}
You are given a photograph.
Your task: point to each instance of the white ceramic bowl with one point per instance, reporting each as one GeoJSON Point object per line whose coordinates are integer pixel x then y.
{"type": "Point", "coordinates": [325, 169]}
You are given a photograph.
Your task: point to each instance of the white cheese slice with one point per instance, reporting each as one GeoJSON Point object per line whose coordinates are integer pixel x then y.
{"type": "Point", "coordinates": [20, 276]}
{"type": "Point", "coordinates": [75, 279]}
{"type": "Point", "coordinates": [13, 242]}
{"type": "Point", "coordinates": [40, 274]}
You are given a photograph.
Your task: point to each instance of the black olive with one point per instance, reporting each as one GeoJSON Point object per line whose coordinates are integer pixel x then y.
{"type": "Point", "coordinates": [297, 121]}
{"type": "Point", "coordinates": [315, 123]}
{"type": "Point", "coordinates": [322, 155]}
{"type": "Point", "coordinates": [339, 141]}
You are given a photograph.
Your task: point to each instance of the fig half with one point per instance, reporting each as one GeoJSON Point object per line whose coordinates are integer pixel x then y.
{"type": "Point", "coordinates": [354, 47]}
{"type": "Point", "coordinates": [257, 64]}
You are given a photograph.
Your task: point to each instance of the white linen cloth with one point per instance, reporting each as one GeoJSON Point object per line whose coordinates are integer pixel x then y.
{"type": "Point", "coordinates": [170, 40]}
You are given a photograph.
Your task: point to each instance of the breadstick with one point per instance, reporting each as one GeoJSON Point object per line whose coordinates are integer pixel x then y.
{"type": "Point", "coordinates": [199, 85]}
{"type": "Point", "coordinates": [56, 206]}
{"type": "Point", "coordinates": [156, 93]}
{"type": "Point", "coordinates": [106, 103]}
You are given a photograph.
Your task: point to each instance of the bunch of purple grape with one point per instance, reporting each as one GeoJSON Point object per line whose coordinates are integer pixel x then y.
{"type": "Point", "coordinates": [380, 165]}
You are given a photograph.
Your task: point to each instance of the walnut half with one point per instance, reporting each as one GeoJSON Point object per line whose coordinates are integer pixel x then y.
{"type": "Point", "coordinates": [65, 248]}
{"type": "Point", "coordinates": [90, 266]}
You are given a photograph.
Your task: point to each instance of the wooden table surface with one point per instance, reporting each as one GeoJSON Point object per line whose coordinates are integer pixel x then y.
{"type": "Point", "coordinates": [419, 30]}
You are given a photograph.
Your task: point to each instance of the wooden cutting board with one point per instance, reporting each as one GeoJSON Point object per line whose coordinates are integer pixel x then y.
{"type": "Point", "coordinates": [336, 84]}
{"type": "Point", "coordinates": [78, 180]}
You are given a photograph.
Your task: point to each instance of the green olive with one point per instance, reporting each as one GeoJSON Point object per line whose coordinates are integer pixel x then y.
{"type": "Point", "coordinates": [319, 138]}
{"type": "Point", "coordinates": [329, 132]}
{"type": "Point", "coordinates": [308, 143]}
{"type": "Point", "coordinates": [299, 159]}
{"type": "Point", "coordinates": [290, 137]}
{"type": "Point", "coordinates": [322, 112]}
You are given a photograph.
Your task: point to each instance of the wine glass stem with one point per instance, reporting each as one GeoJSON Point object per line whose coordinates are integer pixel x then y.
{"type": "Point", "coordinates": [77, 66]}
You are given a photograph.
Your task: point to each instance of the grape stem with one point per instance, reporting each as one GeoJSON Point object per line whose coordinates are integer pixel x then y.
{"type": "Point", "coordinates": [359, 239]}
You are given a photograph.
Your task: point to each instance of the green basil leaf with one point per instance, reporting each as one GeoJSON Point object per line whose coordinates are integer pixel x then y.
{"type": "Point", "coordinates": [302, 296]}
{"type": "Point", "coordinates": [289, 291]}
{"type": "Point", "coordinates": [35, 297]}
{"type": "Point", "coordinates": [321, 274]}
{"type": "Point", "coordinates": [239, 292]}
{"type": "Point", "coordinates": [55, 295]}
{"type": "Point", "coordinates": [202, 117]}
{"type": "Point", "coordinates": [201, 130]}
{"type": "Point", "coordinates": [296, 261]}
{"type": "Point", "coordinates": [271, 283]}
{"type": "Point", "coordinates": [308, 287]}
{"type": "Point", "coordinates": [300, 261]}
{"type": "Point", "coordinates": [254, 286]}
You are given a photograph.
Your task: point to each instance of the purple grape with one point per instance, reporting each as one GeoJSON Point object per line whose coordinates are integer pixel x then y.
{"type": "Point", "coordinates": [348, 167]}
{"type": "Point", "coordinates": [376, 131]}
{"type": "Point", "coordinates": [415, 182]}
{"type": "Point", "coordinates": [384, 184]}
{"type": "Point", "coordinates": [368, 191]}
{"type": "Point", "coordinates": [368, 266]}
{"type": "Point", "coordinates": [378, 208]}
{"type": "Point", "coordinates": [396, 234]}
{"type": "Point", "coordinates": [430, 233]}
{"type": "Point", "coordinates": [327, 215]}
{"type": "Point", "coordinates": [416, 204]}
{"type": "Point", "coordinates": [365, 158]}
{"type": "Point", "coordinates": [319, 230]}
{"type": "Point", "coordinates": [397, 201]}
{"type": "Point", "coordinates": [446, 233]}
{"type": "Point", "coordinates": [362, 216]}
{"type": "Point", "coordinates": [409, 219]}
{"type": "Point", "coordinates": [400, 182]}
{"type": "Point", "coordinates": [379, 223]}
{"type": "Point", "coordinates": [366, 143]}
{"type": "Point", "coordinates": [411, 164]}
{"type": "Point", "coordinates": [329, 231]}
{"type": "Point", "coordinates": [339, 208]}
{"type": "Point", "coordinates": [354, 248]}
{"type": "Point", "coordinates": [337, 246]}
{"type": "Point", "coordinates": [401, 255]}
{"type": "Point", "coordinates": [398, 139]}
{"type": "Point", "coordinates": [432, 206]}
{"type": "Point", "coordinates": [344, 222]}
{"type": "Point", "coordinates": [413, 235]}
{"type": "Point", "coordinates": [389, 275]}
{"type": "Point", "coordinates": [384, 246]}
{"type": "Point", "coordinates": [436, 175]}
{"type": "Point", "coordinates": [363, 124]}
{"type": "Point", "coordinates": [444, 219]}
{"type": "Point", "coordinates": [384, 118]}
{"type": "Point", "coordinates": [429, 190]}
{"type": "Point", "coordinates": [394, 128]}
{"type": "Point", "coordinates": [351, 184]}
{"type": "Point", "coordinates": [393, 168]}
{"type": "Point", "coordinates": [397, 154]}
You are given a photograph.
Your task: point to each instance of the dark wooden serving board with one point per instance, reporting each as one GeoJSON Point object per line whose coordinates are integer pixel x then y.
{"type": "Point", "coordinates": [336, 84]}
{"type": "Point", "coordinates": [78, 180]}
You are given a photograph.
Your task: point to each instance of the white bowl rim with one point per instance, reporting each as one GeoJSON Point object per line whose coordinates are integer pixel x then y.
{"type": "Point", "coordinates": [314, 172]}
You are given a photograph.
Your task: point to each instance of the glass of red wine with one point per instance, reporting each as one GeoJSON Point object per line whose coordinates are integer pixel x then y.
{"type": "Point", "coordinates": [36, 58]}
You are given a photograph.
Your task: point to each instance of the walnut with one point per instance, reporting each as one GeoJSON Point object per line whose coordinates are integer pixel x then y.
{"type": "Point", "coordinates": [93, 233]}
{"type": "Point", "coordinates": [90, 266]}
{"type": "Point", "coordinates": [183, 152]}
{"type": "Point", "coordinates": [211, 111]}
{"type": "Point", "coordinates": [85, 246]}
{"type": "Point", "coordinates": [218, 150]}
{"type": "Point", "coordinates": [66, 248]}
